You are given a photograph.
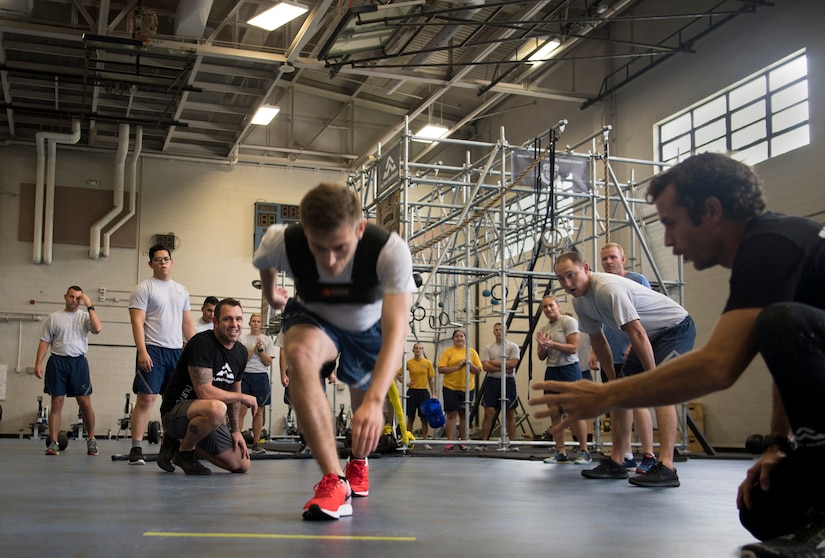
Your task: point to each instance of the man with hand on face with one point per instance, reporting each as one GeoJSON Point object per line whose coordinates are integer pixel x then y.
{"type": "Point", "coordinates": [353, 283]}
{"type": "Point", "coordinates": [205, 391]}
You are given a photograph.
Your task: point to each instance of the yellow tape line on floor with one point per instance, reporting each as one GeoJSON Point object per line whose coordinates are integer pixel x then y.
{"type": "Point", "coordinates": [275, 536]}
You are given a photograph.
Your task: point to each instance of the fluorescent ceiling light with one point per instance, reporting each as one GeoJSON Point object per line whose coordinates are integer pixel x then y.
{"type": "Point", "coordinates": [265, 114]}
{"type": "Point", "coordinates": [545, 48]}
{"type": "Point", "coordinates": [433, 131]}
{"type": "Point", "coordinates": [545, 51]}
{"type": "Point", "coordinates": [278, 15]}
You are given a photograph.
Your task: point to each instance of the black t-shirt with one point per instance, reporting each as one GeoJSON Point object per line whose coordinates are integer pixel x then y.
{"type": "Point", "coordinates": [781, 259]}
{"type": "Point", "coordinates": [204, 351]}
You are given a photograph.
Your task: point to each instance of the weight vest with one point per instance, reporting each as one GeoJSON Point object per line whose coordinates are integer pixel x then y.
{"type": "Point", "coordinates": [364, 287]}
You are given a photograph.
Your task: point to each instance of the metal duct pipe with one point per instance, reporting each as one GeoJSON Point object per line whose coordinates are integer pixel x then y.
{"type": "Point", "coordinates": [132, 191]}
{"type": "Point", "coordinates": [120, 172]}
{"type": "Point", "coordinates": [47, 208]}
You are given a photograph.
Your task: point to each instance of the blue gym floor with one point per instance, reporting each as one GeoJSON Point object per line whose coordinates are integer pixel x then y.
{"type": "Point", "coordinates": [429, 506]}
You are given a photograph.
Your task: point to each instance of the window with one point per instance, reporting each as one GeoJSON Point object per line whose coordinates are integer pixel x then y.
{"type": "Point", "coordinates": [761, 117]}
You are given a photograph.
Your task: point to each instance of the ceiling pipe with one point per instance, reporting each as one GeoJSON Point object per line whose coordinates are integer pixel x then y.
{"type": "Point", "coordinates": [132, 192]}
{"type": "Point", "coordinates": [39, 189]}
{"type": "Point", "coordinates": [44, 210]}
{"type": "Point", "coordinates": [120, 171]}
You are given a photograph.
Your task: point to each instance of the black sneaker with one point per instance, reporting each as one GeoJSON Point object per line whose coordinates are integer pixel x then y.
{"type": "Point", "coordinates": [808, 542]}
{"type": "Point", "coordinates": [607, 469]}
{"type": "Point", "coordinates": [136, 456]}
{"type": "Point", "coordinates": [658, 476]}
{"type": "Point", "coordinates": [168, 446]}
{"type": "Point", "coordinates": [188, 461]}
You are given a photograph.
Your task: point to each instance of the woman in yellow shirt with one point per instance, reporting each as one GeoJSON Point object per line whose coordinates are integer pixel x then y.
{"type": "Point", "coordinates": [420, 387]}
{"type": "Point", "coordinates": [453, 364]}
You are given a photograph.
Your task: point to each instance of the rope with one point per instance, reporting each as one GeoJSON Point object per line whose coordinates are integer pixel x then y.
{"type": "Point", "coordinates": [606, 193]}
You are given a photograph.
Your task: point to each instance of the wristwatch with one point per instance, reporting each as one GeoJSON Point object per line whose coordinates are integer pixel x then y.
{"type": "Point", "coordinates": [785, 444]}
{"type": "Point", "coordinates": [90, 308]}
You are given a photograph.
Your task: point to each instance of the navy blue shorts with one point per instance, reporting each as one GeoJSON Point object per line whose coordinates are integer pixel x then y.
{"type": "Point", "coordinates": [67, 376]}
{"type": "Point", "coordinates": [415, 397]}
{"type": "Point", "coordinates": [667, 345]}
{"type": "Point", "coordinates": [176, 423]}
{"type": "Point", "coordinates": [358, 350]}
{"type": "Point", "coordinates": [453, 400]}
{"type": "Point", "coordinates": [491, 392]}
{"type": "Point", "coordinates": [567, 373]}
{"type": "Point", "coordinates": [164, 362]}
{"type": "Point", "coordinates": [258, 385]}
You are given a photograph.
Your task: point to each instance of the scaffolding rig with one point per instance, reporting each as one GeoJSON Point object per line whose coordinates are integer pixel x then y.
{"type": "Point", "coordinates": [484, 232]}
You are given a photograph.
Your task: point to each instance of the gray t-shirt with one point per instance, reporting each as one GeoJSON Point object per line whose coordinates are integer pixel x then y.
{"type": "Point", "coordinates": [493, 352]}
{"type": "Point", "coordinates": [164, 303]}
{"type": "Point", "coordinates": [67, 333]}
{"type": "Point", "coordinates": [559, 331]}
{"type": "Point", "coordinates": [614, 301]}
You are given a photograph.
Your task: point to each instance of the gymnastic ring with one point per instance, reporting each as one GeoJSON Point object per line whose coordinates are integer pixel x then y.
{"type": "Point", "coordinates": [431, 321]}
{"type": "Point", "coordinates": [493, 291]}
{"type": "Point", "coordinates": [444, 319]}
{"type": "Point", "coordinates": [419, 317]}
{"type": "Point", "coordinates": [552, 241]}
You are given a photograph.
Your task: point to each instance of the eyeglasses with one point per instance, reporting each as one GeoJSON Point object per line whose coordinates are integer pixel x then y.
{"type": "Point", "coordinates": [166, 259]}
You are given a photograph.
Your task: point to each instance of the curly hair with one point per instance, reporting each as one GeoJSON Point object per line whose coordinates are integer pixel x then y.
{"type": "Point", "coordinates": [712, 175]}
{"type": "Point", "coordinates": [328, 207]}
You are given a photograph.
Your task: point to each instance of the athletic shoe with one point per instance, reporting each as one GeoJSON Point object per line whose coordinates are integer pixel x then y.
{"type": "Point", "coordinates": [188, 461]}
{"type": "Point", "coordinates": [808, 542]}
{"type": "Point", "coordinates": [358, 476]}
{"type": "Point", "coordinates": [332, 499]}
{"type": "Point", "coordinates": [427, 447]}
{"type": "Point", "coordinates": [448, 448]}
{"type": "Point", "coordinates": [464, 447]}
{"type": "Point", "coordinates": [136, 456]}
{"type": "Point", "coordinates": [168, 447]}
{"type": "Point", "coordinates": [630, 463]}
{"type": "Point", "coordinates": [257, 450]}
{"type": "Point", "coordinates": [648, 461]}
{"type": "Point", "coordinates": [658, 476]}
{"type": "Point", "coordinates": [91, 447]}
{"type": "Point", "coordinates": [558, 458]}
{"type": "Point", "coordinates": [481, 448]}
{"type": "Point", "coordinates": [607, 469]}
{"type": "Point", "coordinates": [583, 458]}
{"type": "Point", "coordinates": [514, 449]}
{"type": "Point", "coordinates": [53, 449]}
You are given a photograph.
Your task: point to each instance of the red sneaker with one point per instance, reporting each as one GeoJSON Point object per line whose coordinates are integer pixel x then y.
{"type": "Point", "coordinates": [331, 501]}
{"type": "Point", "coordinates": [358, 475]}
